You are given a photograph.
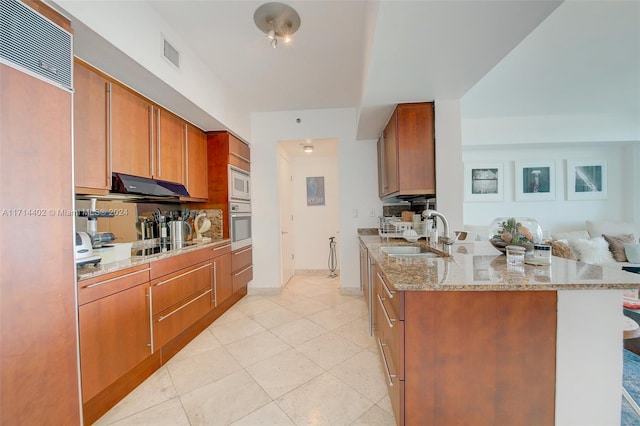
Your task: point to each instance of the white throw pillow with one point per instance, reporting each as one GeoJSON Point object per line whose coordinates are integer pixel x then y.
{"type": "Point", "coordinates": [570, 238]}
{"type": "Point", "coordinates": [594, 251]}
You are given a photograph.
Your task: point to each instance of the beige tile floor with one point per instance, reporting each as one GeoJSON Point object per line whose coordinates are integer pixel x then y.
{"type": "Point", "coordinates": [303, 357]}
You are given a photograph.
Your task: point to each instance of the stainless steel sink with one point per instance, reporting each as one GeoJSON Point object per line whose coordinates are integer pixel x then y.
{"type": "Point", "coordinates": [407, 251]}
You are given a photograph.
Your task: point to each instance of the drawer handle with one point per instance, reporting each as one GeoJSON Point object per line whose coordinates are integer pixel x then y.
{"type": "Point", "coordinates": [386, 289]}
{"type": "Point", "coordinates": [130, 274]}
{"type": "Point", "coordinates": [243, 271]}
{"type": "Point", "coordinates": [150, 295]}
{"type": "Point", "coordinates": [242, 251]}
{"type": "Point", "coordinates": [164, 317]}
{"type": "Point", "coordinates": [182, 275]}
{"type": "Point", "coordinates": [384, 311]}
{"type": "Point", "coordinates": [386, 364]}
{"type": "Point", "coordinates": [240, 157]}
{"type": "Point", "coordinates": [221, 247]}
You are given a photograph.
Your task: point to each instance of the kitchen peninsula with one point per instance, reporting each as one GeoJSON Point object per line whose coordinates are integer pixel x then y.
{"type": "Point", "coordinates": [467, 339]}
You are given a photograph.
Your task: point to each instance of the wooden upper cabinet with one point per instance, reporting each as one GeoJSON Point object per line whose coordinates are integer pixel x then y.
{"type": "Point", "coordinates": [168, 146]}
{"type": "Point", "coordinates": [239, 153]}
{"type": "Point", "coordinates": [131, 128]}
{"type": "Point", "coordinates": [408, 163]}
{"type": "Point", "coordinates": [91, 150]}
{"type": "Point", "coordinates": [196, 162]}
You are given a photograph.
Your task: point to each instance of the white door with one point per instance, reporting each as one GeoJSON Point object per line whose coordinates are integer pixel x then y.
{"type": "Point", "coordinates": [285, 190]}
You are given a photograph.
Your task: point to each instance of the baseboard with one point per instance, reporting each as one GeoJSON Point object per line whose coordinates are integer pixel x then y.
{"type": "Point", "coordinates": [350, 291]}
{"type": "Point", "coordinates": [263, 291]}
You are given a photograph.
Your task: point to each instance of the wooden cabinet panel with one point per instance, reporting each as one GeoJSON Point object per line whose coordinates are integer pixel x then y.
{"type": "Point", "coordinates": [176, 287]}
{"type": "Point", "coordinates": [179, 318]}
{"type": "Point", "coordinates": [105, 285]}
{"type": "Point", "coordinates": [239, 153]}
{"type": "Point", "coordinates": [174, 263]}
{"type": "Point", "coordinates": [115, 336]}
{"type": "Point", "coordinates": [196, 162]}
{"type": "Point", "coordinates": [242, 278]}
{"type": "Point", "coordinates": [221, 270]}
{"type": "Point", "coordinates": [38, 340]}
{"type": "Point", "coordinates": [169, 146]}
{"type": "Point", "coordinates": [406, 152]}
{"type": "Point", "coordinates": [390, 146]}
{"type": "Point", "coordinates": [91, 149]}
{"type": "Point", "coordinates": [131, 128]}
{"type": "Point", "coordinates": [241, 258]}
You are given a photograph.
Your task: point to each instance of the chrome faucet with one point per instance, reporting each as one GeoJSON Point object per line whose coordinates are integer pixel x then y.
{"type": "Point", "coordinates": [447, 241]}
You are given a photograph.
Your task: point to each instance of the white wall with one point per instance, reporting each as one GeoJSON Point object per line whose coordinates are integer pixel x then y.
{"type": "Point", "coordinates": [314, 225]}
{"type": "Point", "coordinates": [559, 214]}
{"type": "Point", "coordinates": [357, 170]}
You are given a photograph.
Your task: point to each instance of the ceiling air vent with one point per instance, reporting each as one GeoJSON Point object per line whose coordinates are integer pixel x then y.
{"type": "Point", "coordinates": [170, 53]}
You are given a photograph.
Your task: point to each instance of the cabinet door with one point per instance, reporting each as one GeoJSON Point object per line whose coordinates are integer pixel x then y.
{"type": "Point", "coordinates": [391, 155]}
{"type": "Point", "coordinates": [416, 148]}
{"type": "Point", "coordinates": [114, 337]}
{"type": "Point", "coordinates": [169, 149]}
{"type": "Point", "coordinates": [196, 162]}
{"type": "Point", "coordinates": [239, 153]}
{"type": "Point", "coordinates": [91, 151]}
{"type": "Point", "coordinates": [222, 282]}
{"type": "Point", "coordinates": [130, 133]}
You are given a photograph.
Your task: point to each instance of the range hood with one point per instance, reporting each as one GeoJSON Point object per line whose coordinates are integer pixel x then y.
{"type": "Point", "coordinates": [127, 184]}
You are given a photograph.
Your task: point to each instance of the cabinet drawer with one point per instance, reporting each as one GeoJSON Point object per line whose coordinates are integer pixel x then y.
{"type": "Point", "coordinates": [395, 386]}
{"type": "Point", "coordinates": [242, 277]}
{"type": "Point", "coordinates": [174, 322]}
{"type": "Point", "coordinates": [174, 263]}
{"type": "Point", "coordinates": [219, 250]}
{"type": "Point", "coordinates": [174, 288]}
{"type": "Point", "coordinates": [105, 285]}
{"type": "Point", "coordinates": [391, 335]}
{"type": "Point", "coordinates": [395, 299]}
{"type": "Point", "coordinates": [241, 259]}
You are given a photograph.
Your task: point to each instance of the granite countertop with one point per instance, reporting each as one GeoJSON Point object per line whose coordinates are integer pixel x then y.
{"type": "Point", "coordinates": [480, 267]}
{"type": "Point", "coordinates": [90, 271]}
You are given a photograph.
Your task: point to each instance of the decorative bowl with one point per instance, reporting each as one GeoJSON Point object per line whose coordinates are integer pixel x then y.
{"type": "Point", "coordinates": [517, 231]}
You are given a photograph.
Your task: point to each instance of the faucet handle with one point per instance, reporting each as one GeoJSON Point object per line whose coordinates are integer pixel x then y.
{"type": "Point", "coordinates": [447, 240]}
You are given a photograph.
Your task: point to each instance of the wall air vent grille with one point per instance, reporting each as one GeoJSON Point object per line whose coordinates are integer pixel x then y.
{"type": "Point", "coordinates": [35, 44]}
{"type": "Point", "coordinates": [170, 53]}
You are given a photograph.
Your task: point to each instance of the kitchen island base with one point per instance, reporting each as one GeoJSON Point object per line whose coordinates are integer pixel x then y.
{"type": "Point", "coordinates": [501, 358]}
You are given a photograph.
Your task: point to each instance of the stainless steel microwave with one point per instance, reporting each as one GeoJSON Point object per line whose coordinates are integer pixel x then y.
{"type": "Point", "coordinates": [239, 184]}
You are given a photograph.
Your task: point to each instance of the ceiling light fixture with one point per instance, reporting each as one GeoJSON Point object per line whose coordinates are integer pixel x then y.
{"type": "Point", "coordinates": [277, 20]}
{"type": "Point", "coordinates": [308, 149]}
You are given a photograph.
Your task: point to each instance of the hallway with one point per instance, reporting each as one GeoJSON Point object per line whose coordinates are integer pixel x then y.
{"type": "Point", "coordinates": [299, 358]}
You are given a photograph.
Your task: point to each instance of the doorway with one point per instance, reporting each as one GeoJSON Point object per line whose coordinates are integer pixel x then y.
{"type": "Point", "coordinates": [308, 186]}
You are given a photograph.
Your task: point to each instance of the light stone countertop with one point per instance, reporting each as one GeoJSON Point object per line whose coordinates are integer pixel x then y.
{"type": "Point", "coordinates": [480, 267]}
{"type": "Point", "coordinates": [90, 271]}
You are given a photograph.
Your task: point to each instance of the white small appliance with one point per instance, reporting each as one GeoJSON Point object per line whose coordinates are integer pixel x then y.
{"type": "Point", "coordinates": [84, 250]}
{"type": "Point", "coordinates": [240, 224]}
{"type": "Point", "coordinates": [239, 184]}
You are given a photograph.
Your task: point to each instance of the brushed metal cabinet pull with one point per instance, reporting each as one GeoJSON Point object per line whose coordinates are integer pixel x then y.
{"type": "Point", "coordinates": [384, 311]}
{"type": "Point", "coordinates": [386, 364]}
{"type": "Point", "coordinates": [181, 275]}
{"type": "Point", "coordinates": [150, 295]}
{"type": "Point", "coordinates": [240, 157]}
{"type": "Point", "coordinates": [179, 308]}
{"type": "Point", "coordinates": [386, 289]}
{"type": "Point", "coordinates": [243, 271]}
{"type": "Point", "coordinates": [221, 247]}
{"type": "Point", "coordinates": [241, 251]}
{"type": "Point", "coordinates": [159, 144]}
{"type": "Point", "coordinates": [215, 285]}
{"type": "Point", "coordinates": [130, 274]}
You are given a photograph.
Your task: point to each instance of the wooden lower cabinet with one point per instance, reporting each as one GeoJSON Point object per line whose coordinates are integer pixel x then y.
{"type": "Point", "coordinates": [242, 267]}
{"type": "Point", "coordinates": [464, 357]}
{"type": "Point", "coordinates": [221, 274]}
{"type": "Point", "coordinates": [133, 321]}
{"type": "Point", "coordinates": [114, 328]}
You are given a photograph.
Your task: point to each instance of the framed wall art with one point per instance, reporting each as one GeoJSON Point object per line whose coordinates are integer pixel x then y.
{"type": "Point", "coordinates": [483, 182]}
{"type": "Point", "coordinates": [315, 191]}
{"type": "Point", "coordinates": [535, 180]}
{"type": "Point", "coordinates": [586, 179]}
